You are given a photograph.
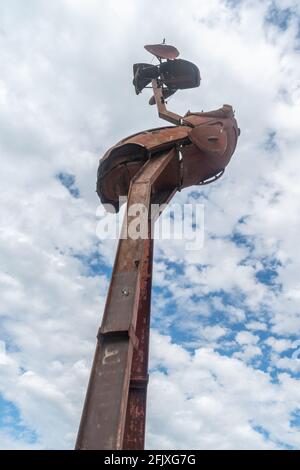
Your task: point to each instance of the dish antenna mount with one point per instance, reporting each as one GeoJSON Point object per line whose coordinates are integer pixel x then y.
{"type": "Point", "coordinates": [168, 76]}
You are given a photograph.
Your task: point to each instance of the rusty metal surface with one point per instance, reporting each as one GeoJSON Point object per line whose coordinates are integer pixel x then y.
{"type": "Point", "coordinates": [105, 406]}
{"type": "Point", "coordinates": [206, 141]}
{"type": "Point", "coordinates": [210, 139]}
{"type": "Point", "coordinates": [163, 51]}
{"type": "Point", "coordinates": [134, 435]}
{"type": "Point", "coordinates": [104, 414]}
{"type": "Point", "coordinates": [150, 140]}
{"type": "Point", "coordinates": [161, 105]}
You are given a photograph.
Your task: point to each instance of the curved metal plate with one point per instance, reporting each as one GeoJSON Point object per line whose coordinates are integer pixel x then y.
{"type": "Point", "coordinates": [211, 139]}
{"type": "Point", "coordinates": [163, 51]}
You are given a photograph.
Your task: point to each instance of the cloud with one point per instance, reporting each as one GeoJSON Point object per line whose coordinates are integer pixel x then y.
{"type": "Point", "coordinates": [210, 401]}
{"type": "Point", "coordinates": [222, 316]}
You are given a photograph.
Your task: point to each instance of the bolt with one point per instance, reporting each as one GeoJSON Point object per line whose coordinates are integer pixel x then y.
{"type": "Point", "coordinates": [125, 292]}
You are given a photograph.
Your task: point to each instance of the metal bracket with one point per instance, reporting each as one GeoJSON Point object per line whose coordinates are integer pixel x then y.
{"type": "Point", "coordinates": [161, 106]}
{"type": "Point", "coordinates": [130, 333]}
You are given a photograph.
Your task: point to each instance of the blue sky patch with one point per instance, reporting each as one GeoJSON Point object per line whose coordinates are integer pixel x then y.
{"type": "Point", "coordinates": [279, 17]}
{"type": "Point", "coordinates": [270, 141]}
{"type": "Point", "coordinates": [295, 418]}
{"type": "Point", "coordinates": [11, 422]}
{"type": "Point", "coordinates": [68, 181]}
{"type": "Point", "coordinates": [93, 264]}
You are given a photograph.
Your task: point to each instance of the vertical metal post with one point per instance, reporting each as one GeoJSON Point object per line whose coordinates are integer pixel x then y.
{"type": "Point", "coordinates": [134, 436]}
{"type": "Point", "coordinates": [112, 377]}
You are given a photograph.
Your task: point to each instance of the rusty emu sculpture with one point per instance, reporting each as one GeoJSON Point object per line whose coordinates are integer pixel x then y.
{"type": "Point", "coordinates": [148, 167]}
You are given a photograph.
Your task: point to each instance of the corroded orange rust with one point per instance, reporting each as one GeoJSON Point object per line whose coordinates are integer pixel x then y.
{"type": "Point", "coordinates": [206, 141]}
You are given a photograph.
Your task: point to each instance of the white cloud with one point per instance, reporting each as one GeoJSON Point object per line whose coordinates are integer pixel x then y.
{"type": "Point", "coordinates": [65, 97]}
{"type": "Point", "coordinates": [256, 326]}
{"type": "Point", "coordinates": [211, 401]}
{"type": "Point", "coordinates": [213, 332]}
{"type": "Point", "coordinates": [279, 345]}
{"type": "Point", "coordinates": [244, 337]}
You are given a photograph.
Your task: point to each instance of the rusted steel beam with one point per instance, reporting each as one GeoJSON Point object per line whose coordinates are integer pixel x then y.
{"type": "Point", "coordinates": [134, 436]}
{"type": "Point", "coordinates": [104, 414]}
{"type": "Point", "coordinates": [163, 112]}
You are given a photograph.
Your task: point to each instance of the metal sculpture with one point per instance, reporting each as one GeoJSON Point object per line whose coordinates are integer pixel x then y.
{"type": "Point", "coordinates": [148, 167]}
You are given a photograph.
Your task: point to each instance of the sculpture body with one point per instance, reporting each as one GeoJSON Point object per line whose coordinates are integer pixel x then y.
{"type": "Point", "coordinates": [148, 167]}
{"type": "Point", "coordinates": [206, 142]}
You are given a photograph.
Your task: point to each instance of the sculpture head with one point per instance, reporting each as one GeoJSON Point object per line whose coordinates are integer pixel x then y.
{"type": "Point", "coordinates": [205, 141]}
{"type": "Point", "coordinates": [171, 74]}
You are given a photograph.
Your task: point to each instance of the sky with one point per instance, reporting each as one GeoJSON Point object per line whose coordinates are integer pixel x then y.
{"type": "Point", "coordinates": [225, 345]}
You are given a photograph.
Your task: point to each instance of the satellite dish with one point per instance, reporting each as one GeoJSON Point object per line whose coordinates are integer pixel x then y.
{"type": "Point", "coordinates": [162, 51]}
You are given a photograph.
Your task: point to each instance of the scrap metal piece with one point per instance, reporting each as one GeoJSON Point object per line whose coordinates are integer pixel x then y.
{"type": "Point", "coordinates": [134, 434]}
{"type": "Point", "coordinates": [171, 75]}
{"type": "Point", "coordinates": [105, 409]}
{"type": "Point", "coordinates": [206, 142]}
{"type": "Point", "coordinates": [162, 51]}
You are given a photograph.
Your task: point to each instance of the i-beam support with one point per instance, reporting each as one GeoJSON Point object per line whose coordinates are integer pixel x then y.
{"type": "Point", "coordinates": [114, 411]}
